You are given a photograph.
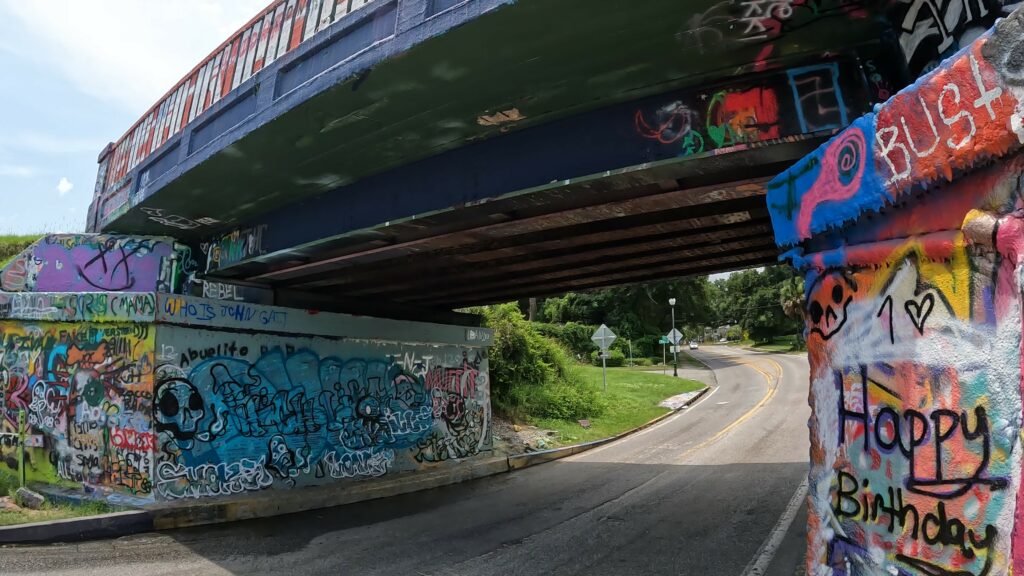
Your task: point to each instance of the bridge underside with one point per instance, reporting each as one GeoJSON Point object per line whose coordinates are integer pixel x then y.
{"type": "Point", "coordinates": [430, 155]}
{"type": "Point", "coordinates": [673, 218]}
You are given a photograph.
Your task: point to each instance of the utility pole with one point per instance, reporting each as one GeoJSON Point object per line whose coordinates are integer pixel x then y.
{"type": "Point", "coordinates": [675, 349]}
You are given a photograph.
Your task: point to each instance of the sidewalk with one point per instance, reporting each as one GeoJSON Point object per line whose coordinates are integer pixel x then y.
{"type": "Point", "coordinates": [702, 375]}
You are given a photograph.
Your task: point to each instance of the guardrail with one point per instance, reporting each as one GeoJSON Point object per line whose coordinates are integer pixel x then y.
{"type": "Point", "coordinates": [279, 29]}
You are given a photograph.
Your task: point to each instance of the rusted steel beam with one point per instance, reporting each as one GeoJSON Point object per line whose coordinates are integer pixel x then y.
{"type": "Point", "coordinates": [595, 211]}
{"type": "Point", "coordinates": [565, 251]}
{"type": "Point", "coordinates": [484, 277]}
{"type": "Point", "coordinates": [594, 276]}
{"type": "Point", "coordinates": [660, 273]}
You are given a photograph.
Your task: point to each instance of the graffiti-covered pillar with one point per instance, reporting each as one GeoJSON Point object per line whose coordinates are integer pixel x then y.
{"type": "Point", "coordinates": [907, 228]}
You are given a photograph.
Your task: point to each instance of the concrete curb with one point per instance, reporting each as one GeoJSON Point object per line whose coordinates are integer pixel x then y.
{"type": "Point", "coordinates": [520, 461]}
{"type": "Point", "coordinates": [211, 511]}
{"type": "Point", "coordinates": [230, 509]}
{"type": "Point", "coordinates": [78, 529]}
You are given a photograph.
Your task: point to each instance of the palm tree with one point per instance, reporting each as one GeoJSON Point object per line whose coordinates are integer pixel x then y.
{"type": "Point", "coordinates": [792, 299]}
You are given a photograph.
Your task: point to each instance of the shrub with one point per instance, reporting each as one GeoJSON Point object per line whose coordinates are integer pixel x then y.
{"type": "Point", "coordinates": [570, 402]}
{"type": "Point", "coordinates": [8, 483]}
{"type": "Point", "coordinates": [615, 358]}
{"type": "Point", "coordinates": [533, 376]}
{"type": "Point", "coordinates": [576, 337]}
{"type": "Point", "coordinates": [549, 330]}
{"type": "Point", "coordinates": [573, 336]}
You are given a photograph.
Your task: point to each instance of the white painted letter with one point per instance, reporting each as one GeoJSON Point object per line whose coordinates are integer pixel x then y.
{"type": "Point", "coordinates": [962, 114]}
{"type": "Point", "coordinates": [987, 96]}
{"type": "Point", "coordinates": [910, 137]}
{"type": "Point", "coordinates": [887, 147]}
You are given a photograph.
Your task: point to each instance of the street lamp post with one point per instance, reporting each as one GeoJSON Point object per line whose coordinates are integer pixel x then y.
{"type": "Point", "coordinates": [675, 349]}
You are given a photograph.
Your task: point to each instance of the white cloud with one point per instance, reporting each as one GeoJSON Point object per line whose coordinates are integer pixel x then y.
{"type": "Point", "coordinates": [17, 170]}
{"type": "Point", "coordinates": [64, 186]}
{"type": "Point", "coordinates": [125, 51]}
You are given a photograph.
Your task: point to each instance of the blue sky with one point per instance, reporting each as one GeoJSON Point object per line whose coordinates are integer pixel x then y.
{"type": "Point", "coordinates": [75, 75]}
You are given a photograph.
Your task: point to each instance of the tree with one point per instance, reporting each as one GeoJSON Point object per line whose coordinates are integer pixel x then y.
{"type": "Point", "coordinates": [638, 312]}
{"type": "Point", "coordinates": [765, 303]}
{"type": "Point", "coordinates": [753, 299]}
{"type": "Point", "coordinates": [793, 300]}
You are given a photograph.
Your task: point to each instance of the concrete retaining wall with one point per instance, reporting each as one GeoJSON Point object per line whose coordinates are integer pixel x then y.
{"type": "Point", "coordinates": [242, 412]}
{"type": "Point", "coordinates": [140, 397]}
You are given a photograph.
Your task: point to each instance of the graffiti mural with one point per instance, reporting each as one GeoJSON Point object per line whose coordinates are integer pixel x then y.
{"type": "Point", "coordinates": [234, 247]}
{"type": "Point", "coordinates": [916, 397]}
{"type": "Point", "coordinates": [800, 101]}
{"type": "Point", "coordinates": [99, 263]}
{"type": "Point", "coordinates": [736, 23]}
{"type": "Point", "coordinates": [962, 113]}
{"type": "Point", "coordinates": [907, 228]}
{"type": "Point", "coordinates": [236, 413]}
{"type": "Point", "coordinates": [931, 30]}
{"type": "Point", "coordinates": [87, 389]}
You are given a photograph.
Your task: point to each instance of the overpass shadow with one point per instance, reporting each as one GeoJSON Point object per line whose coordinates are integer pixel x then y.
{"type": "Point", "coordinates": [566, 517]}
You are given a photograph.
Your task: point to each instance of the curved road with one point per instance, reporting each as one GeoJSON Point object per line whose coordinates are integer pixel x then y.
{"type": "Point", "coordinates": [709, 491]}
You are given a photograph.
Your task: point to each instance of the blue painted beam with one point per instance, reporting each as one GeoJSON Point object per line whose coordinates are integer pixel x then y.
{"type": "Point", "coordinates": [589, 143]}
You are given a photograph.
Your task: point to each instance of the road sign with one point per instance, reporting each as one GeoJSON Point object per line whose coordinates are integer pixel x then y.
{"type": "Point", "coordinates": [603, 337]}
{"type": "Point", "coordinates": [674, 336]}
{"type": "Point", "coordinates": [664, 340]}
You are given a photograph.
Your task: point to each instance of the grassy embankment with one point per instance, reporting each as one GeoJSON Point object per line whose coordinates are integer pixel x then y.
{"type": "Point", "coordinates": [12, 244]}
{"type": "Point", "coordinates": [783, 344]}
{"type": "Point", "coordinates": [49, 511]}
{"type": "Point", "coordinates": [685, 361]}
{"type": "Point", "coordinates": [633, 396]}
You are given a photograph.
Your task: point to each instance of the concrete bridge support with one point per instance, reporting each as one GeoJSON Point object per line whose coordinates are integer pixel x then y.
{"type": "Point", "coordinates": [907, 226]}
{"type": "Point", "coordinates": [136, 394]}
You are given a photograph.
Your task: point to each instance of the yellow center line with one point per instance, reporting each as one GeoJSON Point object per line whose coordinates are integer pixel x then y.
{"type": "Point", "coordinates": [772, 386]}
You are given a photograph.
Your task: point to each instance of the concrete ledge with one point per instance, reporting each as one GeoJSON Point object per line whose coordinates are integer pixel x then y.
{"type": "Point", "coordinates": [264, 504]}
{"type": "Point", "coordinates": [520, 461]}
{"type": "Point", "coordinates": [77, 529]}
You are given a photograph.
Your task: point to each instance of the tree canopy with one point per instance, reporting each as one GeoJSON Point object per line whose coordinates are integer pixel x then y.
{"type": "Point", "coordinates": [763, 302]}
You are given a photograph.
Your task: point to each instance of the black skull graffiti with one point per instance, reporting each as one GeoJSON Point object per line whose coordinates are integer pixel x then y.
{"type": "Point", "coordinates": [829, 298]}
{"type": "Point", "coordinates": [179, 410]}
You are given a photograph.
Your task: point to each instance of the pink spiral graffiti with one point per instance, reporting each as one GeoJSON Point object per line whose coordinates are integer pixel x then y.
{"type": "Point", "coordinates": [842, 167]}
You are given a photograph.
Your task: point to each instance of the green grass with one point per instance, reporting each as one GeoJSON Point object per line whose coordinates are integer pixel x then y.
{"type": "Point", "coordinates": [53, 512]}
{"type": "Point", "coordinates": [783, 344]}
{"type": "Point", "coordinates": [633, 397]}
{"type": "Point", "coordinates": [685, 361]}
{"type": "Point", "coordinates": [12, 244]}
{"type": "Point", "coordinates": [49, 511]}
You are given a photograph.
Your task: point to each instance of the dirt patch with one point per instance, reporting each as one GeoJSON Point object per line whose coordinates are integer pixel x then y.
{"type": "Point", "coordinates": [512, 438]}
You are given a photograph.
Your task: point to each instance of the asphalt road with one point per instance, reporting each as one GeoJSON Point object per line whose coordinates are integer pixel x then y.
{"type": "Point", "coordinates": [707, 492]}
